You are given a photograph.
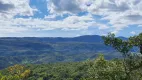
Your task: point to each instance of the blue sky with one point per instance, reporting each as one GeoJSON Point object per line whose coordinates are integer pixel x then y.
{"type": "Point", "coordinates": [69, 18]}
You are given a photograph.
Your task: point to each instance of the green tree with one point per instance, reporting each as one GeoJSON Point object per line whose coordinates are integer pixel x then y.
{"type": "Point", "coordinates": [136, 41]}
{"type": "Point", "coordinates": [131, 61]}
{"type": "Point", "coordinates": [16, 72]}
{"type": "Point", "coordinates": [102, 69]}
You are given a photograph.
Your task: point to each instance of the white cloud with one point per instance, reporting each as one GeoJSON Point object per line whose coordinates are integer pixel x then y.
{"type": "Point", "coordinates": [119, 13]}
{"type": "Point", "coordinates": [63, 6]}
{"type": "Point", "coordinates": [67, 6]}
{"type": "Point", "coordinates": [12, 8]}
{"type": "Point", "coordinates": [139, 25]}
{"type": "Point", "coordinates": [72, 22]}
{"type": "Point", "coordinates": [133, 32]}
{"type": "Point", "coordinates": [102, 26]}
{"type": "Point", "coordinates": [50, 16]}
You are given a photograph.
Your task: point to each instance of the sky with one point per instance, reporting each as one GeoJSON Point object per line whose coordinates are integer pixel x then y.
{"type": "Point", "coordinates": [69, 18]}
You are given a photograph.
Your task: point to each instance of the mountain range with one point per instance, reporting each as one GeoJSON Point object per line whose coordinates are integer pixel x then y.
{"type": "Point", "coordinates": [37, 50]}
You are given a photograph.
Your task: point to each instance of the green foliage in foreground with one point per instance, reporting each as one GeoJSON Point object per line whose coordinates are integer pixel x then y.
{"type": "Point", "coordinates": [16, 72]}
{"type": "Point", "coordinates": [98, 69]}
{"type": "Point", "coordinates": [131, 61]}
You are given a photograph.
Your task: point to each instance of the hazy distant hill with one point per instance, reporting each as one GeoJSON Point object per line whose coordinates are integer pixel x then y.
{"type": "Point", "coordinates": [49, 49]}
{"type": "Point", "coordinates": [87, 38]}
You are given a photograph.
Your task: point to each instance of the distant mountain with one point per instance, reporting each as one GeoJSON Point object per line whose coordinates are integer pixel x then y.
{"type": "Point", "coordinates": [14, 50]}
{"type": "Point", "coordinates": [86, 38]}
{"type": "Point", "coordinates": [123, 38]}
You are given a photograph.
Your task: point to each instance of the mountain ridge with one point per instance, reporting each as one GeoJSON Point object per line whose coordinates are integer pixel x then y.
{"type": "Point", "coordinates": [84, 38]}
{"type": "Point", "coordinates": [49, 50]}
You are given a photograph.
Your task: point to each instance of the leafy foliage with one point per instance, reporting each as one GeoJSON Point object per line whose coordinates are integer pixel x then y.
{"type": "Point", "coordinates": [98, 69]}
{"type": "Point", "coordinates": [131, 61]}
{"type": "Point", "coordinates": [136, 41]}
{"type": "Point", "coordinates": [16, 72]}
{"type": "Point", "coordinates": [118, 44]}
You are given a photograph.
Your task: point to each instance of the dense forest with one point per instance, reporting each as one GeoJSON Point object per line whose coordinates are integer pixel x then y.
{"type": "Point", "coordinates": [27, 50]}
{"type": "Point", "coordinates": [128, 67]}
{"type": "Point", "coordinates": [97, 69]}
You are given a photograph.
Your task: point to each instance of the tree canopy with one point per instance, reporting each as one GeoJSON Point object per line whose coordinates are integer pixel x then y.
{"type": "Point", "coordinates": [131, 61]}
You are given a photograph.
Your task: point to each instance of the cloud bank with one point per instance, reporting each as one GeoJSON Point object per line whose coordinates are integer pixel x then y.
{"type": "Point", "coordinates": [114, 15]}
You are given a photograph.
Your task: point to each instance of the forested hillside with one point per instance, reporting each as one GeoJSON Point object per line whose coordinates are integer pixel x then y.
{"type": "Point", "coordinates": [128, 67]}
{"type": "Point", "coordinates": [48, 50]}
{"type": "Point", "coordinates": [97, 69]}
